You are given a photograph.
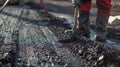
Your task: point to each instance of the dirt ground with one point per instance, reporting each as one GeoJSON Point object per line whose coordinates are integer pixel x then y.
{"type": "Point", "coordinates": [65, 7]}
{"type": "Point", "coordinates": [35, 42]}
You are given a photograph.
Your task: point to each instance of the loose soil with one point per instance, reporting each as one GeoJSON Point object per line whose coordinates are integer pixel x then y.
{"type": "Point", "coordinates": [74, 54]}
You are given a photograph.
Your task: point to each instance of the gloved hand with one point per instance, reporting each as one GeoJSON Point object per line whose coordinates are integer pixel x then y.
{"type": "Point", "coordinates": [78, 2]}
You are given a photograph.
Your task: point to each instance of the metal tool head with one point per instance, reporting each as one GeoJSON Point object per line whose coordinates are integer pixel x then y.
{"type": "Point", "coordinates": [70, 30]}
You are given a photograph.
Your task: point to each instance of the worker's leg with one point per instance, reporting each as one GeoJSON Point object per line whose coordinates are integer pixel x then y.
{"type": "Point", "coordinates": [84, 19]}
{"type": "Point", "coordinates": [83, 23]}
{"type": "Point", "coordinates": [104, 7]}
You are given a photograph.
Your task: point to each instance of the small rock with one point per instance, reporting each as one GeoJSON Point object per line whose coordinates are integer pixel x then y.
{"type": "Point", "coordinates": [101, 57]}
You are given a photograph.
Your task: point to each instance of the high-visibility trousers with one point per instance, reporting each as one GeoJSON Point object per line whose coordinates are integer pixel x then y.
{"type": "Point", "coordinates": [103, 6]}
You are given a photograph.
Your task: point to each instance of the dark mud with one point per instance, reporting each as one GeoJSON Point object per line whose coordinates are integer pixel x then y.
{"type": "Point", "coordinates": [88, 52]}
{"type": "Point", "coordinates": [112, 31]}
{"type": "Point", "coordinates": [58, 27]}
{"type": "Point", "coordinates": [45, 56]}
{"type": "Point", "coordinates": [95, 55]}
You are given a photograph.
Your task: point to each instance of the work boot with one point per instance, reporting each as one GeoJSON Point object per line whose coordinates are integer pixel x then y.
{"type": "Point", "coordinates": [82, 34]}
{"type": "Point", "coordinates": [100, 29]}
{"type": "Point", "coordinates": [83, 30]}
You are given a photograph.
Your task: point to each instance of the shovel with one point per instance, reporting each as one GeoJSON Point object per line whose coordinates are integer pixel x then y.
{"type": "Point", "coordinates": [76, 25]}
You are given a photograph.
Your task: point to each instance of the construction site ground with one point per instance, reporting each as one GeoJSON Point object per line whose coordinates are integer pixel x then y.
{"type": "Point", "coordinates": [37, 38]}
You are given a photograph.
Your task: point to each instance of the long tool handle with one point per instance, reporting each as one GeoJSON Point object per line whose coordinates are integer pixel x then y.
{"type": "Point", "coordinates": [76, 17]}
{"type": "Point", "coordinates": [4, 5]}
{"type": "Point", "coordinates": [76, 24]}
{"type": "Point", "coordinates": [44, 7]}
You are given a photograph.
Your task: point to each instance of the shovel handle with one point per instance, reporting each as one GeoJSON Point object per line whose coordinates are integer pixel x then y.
{"type": "Point", "coordinates": [76, 17]}
{"type": "Point", "coordinates": [44, 7]}
{"type": "Point", "coordinates": [4, 5]}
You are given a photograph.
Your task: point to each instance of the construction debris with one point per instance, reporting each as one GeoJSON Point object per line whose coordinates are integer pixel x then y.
{"type": "Point", "coordinates": [38, 46]}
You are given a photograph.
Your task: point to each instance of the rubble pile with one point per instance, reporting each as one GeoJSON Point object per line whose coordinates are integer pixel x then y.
{"type": "Point", "coordinates": [89, 53]}
{"type": "Point", "coordinates": [74, 54]}
{"type": "Point", "coordinates": [41, 56]}
{"type": "Point", "coordinates": [95, 55]}
{"type": "Point", "coordinates": [58, 27]}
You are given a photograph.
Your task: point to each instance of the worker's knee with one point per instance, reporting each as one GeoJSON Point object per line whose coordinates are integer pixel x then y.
{"type": "Point", "coordinates": [104, 7]}
{"type": "Point", "coordinates": [86, 6]}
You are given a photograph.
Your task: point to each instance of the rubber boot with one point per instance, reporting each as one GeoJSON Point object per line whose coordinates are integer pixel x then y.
{"type": "Point", "coordinates": [100, 29]}
{"type": "Point", "coordinates": [83, 30]}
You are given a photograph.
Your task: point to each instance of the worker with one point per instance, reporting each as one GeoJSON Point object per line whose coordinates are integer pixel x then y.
{"type": "Point", "coordinates": [104, 8]}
